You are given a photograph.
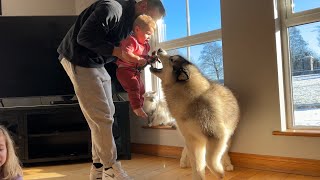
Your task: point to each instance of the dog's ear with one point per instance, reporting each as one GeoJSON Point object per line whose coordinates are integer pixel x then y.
{"type": "Point", "coordinates": [182, 74]}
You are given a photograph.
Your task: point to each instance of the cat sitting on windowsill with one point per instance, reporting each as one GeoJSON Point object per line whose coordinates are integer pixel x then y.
{"type": "Point", "coordinates": [157, 110]}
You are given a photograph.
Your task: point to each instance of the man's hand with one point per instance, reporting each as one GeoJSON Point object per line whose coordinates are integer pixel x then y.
{"type": "Point", "coordinates": [117, 52]}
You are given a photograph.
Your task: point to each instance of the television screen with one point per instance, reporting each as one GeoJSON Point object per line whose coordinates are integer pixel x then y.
{"type": "Point", "coordinates": [29, 64]}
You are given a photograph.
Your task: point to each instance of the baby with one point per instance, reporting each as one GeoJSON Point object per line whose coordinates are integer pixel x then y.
{"type": "Point", "coordinates": [135, 50]}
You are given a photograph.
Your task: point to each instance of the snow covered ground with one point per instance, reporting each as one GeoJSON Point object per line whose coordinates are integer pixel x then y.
{"type": "Point", "coordinates": [309, 117]}
{"type": "Point", "coordinates": [306, 96]}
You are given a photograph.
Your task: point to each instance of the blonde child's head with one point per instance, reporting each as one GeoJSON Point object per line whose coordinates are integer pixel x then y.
{"type": "Point", "coordinates": [145, 22]}
{"type": "Point", "coordinates": [9, 162]}
{"type": "Point", "coordinates": [143, 28]}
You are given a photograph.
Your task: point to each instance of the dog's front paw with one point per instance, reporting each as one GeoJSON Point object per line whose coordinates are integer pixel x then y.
{"type": "Point", "coordinates": [184, 163]}
{"type": "Point", "coordinates": [228, 167]}
{"type": "Point", "coordinates": [219, 171]}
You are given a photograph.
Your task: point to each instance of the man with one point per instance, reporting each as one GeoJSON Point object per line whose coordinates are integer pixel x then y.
{"type": "Point", "coordinates": [91, 43]}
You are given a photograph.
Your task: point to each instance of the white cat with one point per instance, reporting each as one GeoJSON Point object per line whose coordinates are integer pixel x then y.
{"type": "Point", "coordinates": [157, 110]}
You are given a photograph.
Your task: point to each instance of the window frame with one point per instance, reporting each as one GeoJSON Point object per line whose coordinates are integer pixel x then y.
{"type": "Point", "coordinates": [184, 42]}
{"type": "Point", "coordinates": [291, 14]}
{"type": "Point", "coordinates": [188, 41]}
{"type": "Point", "coordinates": [290, 19]}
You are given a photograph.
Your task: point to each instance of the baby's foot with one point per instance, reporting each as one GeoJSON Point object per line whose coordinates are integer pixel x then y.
{"type": "Point", "coordinates": [140, 112]}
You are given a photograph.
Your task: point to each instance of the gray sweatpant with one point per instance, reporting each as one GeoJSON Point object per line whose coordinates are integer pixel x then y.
{"type": "Point", "coordinates": [93, 89]}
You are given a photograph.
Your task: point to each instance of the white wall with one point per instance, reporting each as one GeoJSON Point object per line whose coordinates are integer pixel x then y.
{"type": "Point", "coordinates": [37, 7]}
{"type": "Point", "coordinates": [250, 66]}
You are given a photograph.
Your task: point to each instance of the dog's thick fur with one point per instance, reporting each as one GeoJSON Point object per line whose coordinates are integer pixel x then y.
{"type": "Point", "coordinates": [157, 110]}
{"type": "Point", "coordinates": [206, 113]}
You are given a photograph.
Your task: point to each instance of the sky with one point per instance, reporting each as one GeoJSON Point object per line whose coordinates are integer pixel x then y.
{"type": "Point", "coordinates": [308, 31]}
{"type": "Point", "coordinates": [206, 16]}
{"type": "Point", "coordinates": [309, 34]}
{"type": "Point", "coordinates": [302, 5]}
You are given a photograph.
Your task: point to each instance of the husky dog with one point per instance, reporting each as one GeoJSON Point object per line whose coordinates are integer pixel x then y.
{"type": "Point", "coordinates": [157, 110]}
{"type": "Point", "coordinates": [206, 113]}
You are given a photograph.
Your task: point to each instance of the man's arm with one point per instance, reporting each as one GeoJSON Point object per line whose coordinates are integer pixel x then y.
{"type": "Point", "coordinates": [93, 33]}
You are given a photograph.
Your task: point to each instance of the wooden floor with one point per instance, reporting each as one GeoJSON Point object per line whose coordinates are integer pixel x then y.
{"type": "Point", "coordinates": [142, 167]}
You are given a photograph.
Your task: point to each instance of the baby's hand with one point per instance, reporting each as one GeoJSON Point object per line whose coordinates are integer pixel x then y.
{"type": "Point", "coordinates": [142, 61]}
{"type": "Point", "coordinates": [140, 112]}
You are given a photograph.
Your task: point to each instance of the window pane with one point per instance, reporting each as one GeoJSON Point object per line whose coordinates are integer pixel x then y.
{"type": "Point", "coordinates": [304, 44]}
{"type": "Point", "coordinates": [204, 16]}
{"type": "Point", "coordinates": [175, 20]}
{"type": "Point", "coordinates": [303, 5]}
{"type": "Point", "coordinates": [208, 58]}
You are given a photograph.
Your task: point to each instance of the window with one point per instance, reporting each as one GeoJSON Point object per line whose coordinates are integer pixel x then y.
{"type": "Point", "coordinates": [303, 5]}
{"type": "Point", "coordinates": [189, 17]}
{"type": "Point", "coordinates": [175, 19]}
{"type": "Point", "coordinates": [192, 29]}
{"type": "Point", "coordinates": [204, 17]}
{"type": "Point", "coordinates": [301, 39]}
{"type": "Point", "coordinates": [207, 57]}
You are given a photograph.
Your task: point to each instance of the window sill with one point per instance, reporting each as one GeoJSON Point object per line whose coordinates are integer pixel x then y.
{"type": "Point", "coordinates": [160, 127]}
{"type": "Point", "coordinates": [305, 133]}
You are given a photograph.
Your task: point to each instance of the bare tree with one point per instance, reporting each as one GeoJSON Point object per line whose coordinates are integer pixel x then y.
{"type": "Point", "coordinates": [298, 49]}
{"type": "Point", "coordinates": [318, 36]}
{"type": "Point", "coordinates": [211, 61]}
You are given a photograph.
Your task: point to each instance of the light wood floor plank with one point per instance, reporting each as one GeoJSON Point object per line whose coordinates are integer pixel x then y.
{"type": "Point", "coordinates": [144, 167]}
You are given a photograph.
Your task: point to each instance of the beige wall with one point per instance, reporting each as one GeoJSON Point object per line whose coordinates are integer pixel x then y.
{"type": "Point", "coordinates": [43, 7]}
{"type": "Point", "coordinates": [82, 4]}
{"type": "Point", "coordinates": [249, 46]}
{"type": "Point", "coordinates": [250, 65]}
{"type": "Point", "coordinates": [37, 7]}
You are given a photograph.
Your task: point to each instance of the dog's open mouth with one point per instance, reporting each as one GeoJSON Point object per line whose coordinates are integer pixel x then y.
{"type": "Point", "coordinates": [155, 69]}
{"type": "Point", "coordinates": [156, 65]}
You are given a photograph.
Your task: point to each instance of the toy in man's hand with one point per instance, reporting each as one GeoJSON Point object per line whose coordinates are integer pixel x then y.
{"type": "Point", "coordinates": [150, 60]}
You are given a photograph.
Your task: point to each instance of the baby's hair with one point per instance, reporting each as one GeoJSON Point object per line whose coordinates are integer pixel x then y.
{"type": "Point", "coordinates": [145, 21]}
{"type": "Point", "coordinates": [11, 168]}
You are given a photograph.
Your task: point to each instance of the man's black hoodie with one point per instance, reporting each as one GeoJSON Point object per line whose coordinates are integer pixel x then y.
{"type": "Point", "coordinates": [97, 30]}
